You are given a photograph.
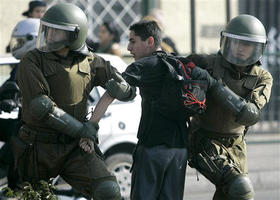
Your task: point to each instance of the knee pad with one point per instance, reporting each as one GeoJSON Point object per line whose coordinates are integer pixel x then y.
{"type": "Point", "coordinates": [108, 190]}
{"type": "Point", "coordinates": [241, 188]}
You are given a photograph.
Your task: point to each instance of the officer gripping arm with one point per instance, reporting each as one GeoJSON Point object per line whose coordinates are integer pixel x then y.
{"type": "Point", "coordinates": [44, 109]}
{"type": "Point", "coordinates": [117, 88]}
{"type": "Point", "coordinates": [246, 112]}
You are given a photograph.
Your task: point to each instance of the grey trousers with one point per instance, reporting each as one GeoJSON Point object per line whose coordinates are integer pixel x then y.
{"type": "Point", "coordinates": [158, 173]}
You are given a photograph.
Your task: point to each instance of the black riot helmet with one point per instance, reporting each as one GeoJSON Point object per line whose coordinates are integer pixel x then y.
{"type": "Point", "coordinates": [63, 25]}
{"type": "Point", "coordinates": [243, 40]}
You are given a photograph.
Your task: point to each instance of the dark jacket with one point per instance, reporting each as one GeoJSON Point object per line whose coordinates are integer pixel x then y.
{"type": "Point", "coordinates": [154, 129]}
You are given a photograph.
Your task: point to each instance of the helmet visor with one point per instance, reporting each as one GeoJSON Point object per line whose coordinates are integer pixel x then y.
{"type": "Point", "coordinates": [17, 42]}
{"type": "Point", "coordinates": [21, 44]}
{"type": "Point", "coordinates": [52, 39]}
{"type": "Point", "coordinates": [241, 52]}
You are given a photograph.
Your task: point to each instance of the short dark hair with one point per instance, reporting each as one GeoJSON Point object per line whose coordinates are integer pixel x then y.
{"type": "Point", "coordinates": [144, 29]}
{"type": "Point", "coordinates": [113, 29]}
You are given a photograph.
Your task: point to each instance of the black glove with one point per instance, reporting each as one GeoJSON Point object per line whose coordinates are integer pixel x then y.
{"type": "Point", "coordinates": [120, 89]}
{"type": "Point", "coordinates": [90, 130]}
{"type": "Point", "coordinates": [202, 74]}
{"type": "Point", "coordinates": [7, 105]}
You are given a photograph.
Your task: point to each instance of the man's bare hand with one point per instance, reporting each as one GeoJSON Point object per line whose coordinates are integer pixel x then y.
{"type": "Point", "coordinates": [87, 145]}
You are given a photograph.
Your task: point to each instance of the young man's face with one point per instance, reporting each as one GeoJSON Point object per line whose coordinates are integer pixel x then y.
{"type": "Point", "coordinates": [137, 47]}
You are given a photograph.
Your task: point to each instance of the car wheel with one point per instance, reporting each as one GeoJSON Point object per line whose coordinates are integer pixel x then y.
{"type": "Point", "coordinates": [120, 165]}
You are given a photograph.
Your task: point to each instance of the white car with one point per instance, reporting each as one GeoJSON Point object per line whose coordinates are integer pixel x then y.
{"type": "Point", "coordinates": [118, 127]}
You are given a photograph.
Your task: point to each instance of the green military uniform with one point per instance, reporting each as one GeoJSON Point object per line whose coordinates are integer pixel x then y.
{"type": "Point", "coordinates": [217, 137]}
{"type": "Point", "coordinates": [42, 152]}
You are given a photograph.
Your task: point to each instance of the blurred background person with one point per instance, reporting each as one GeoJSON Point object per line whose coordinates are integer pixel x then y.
{"type": "Point", "coordinates": [109, 38]}
{"type": "Point", "coordinates": [23, 39]}
{"type": "Point", "coordinates": [167, 43]}
{"type": "Point", "coordinates": [36, 9]}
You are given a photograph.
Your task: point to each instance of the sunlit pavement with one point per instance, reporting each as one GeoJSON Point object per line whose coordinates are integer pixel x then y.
{"type": "Point", "coordinates": [264, 170]}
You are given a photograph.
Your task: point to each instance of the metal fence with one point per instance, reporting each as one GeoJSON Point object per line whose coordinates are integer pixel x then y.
{"type": "Point", "coordinates": [122, 12]}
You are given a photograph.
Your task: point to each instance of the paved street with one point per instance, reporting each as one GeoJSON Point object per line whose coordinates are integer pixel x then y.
{"type": "Point", "coordinates": [264, 170]}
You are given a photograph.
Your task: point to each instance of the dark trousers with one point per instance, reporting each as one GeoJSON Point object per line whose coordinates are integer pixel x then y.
{"type": "Point", "coordinates": [158, 173]}
{"type": "Point", "coordinates": [8, 129]}
{"type": "Point", "coordinates": [41, 156]}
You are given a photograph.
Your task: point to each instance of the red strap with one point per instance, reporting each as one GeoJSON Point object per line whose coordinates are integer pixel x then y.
{"type": "Point", "coordinates": [194, 100]}
{"type": "Point", "coordinates": [190, 65]}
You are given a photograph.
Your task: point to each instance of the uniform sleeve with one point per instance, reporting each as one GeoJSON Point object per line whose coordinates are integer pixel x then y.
{"type": "Point", "coordinates": [101, 71]}
{"type": "Point", "coordinates": [261, 93]}
{"type": "Point", "coordinates": [30, 79]}
{"type": "Point", "coordinates": [204, 61]}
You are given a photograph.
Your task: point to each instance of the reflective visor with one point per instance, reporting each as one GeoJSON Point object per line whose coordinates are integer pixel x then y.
{"type": "Point", "coordinates": [17, 42]}
{"type": "Point", "coordinates": [241, 52]}
{"type": "Point", "coordinates": [53, 37]}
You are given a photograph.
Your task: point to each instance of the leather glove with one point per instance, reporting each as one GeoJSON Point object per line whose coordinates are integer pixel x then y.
{"type": "Point", "coordinates": [7, 105]}
{"type": "Point", "coordinates": [90, 130]}
{"type": "Point", "coordinates": [249, 115]}
{"type": "Point", "coordinates": [119, 89]}
{"type": "Point", "coordinates": [202, 74]}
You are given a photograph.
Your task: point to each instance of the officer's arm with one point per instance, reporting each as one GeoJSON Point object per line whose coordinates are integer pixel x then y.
{"type": "Point", "coordinates": [246, 112]}
{"type": "Point", "coordinates": [119, 89]}
{"type": "Point", "coordinates": [262, 91]}
{"type": "Point", "coordinates": [109, 78]}
{"type": "Point", "coordinates": [44, 109]}
{"type": "Point", "coordinates": [30, 79]}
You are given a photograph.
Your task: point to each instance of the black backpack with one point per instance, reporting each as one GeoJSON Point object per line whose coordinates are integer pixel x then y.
{"type": "Point", "coordinates": [181, 97]}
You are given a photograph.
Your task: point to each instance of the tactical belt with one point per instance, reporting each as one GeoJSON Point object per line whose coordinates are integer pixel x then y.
{"type": "Point", "coordinates": [218, 134]}
{"type": "Point", "coordinates": [226, 139]}
{"type": "Point", "coordinates": [46, 137]}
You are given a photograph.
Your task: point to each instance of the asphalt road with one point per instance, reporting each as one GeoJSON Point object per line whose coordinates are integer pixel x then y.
{"type": "Point", "coordinates": [264, 171]}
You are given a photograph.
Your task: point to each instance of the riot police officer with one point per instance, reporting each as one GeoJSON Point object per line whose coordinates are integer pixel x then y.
{"type": "Point", "coordinates": [218, 149]}
{"type": "Point", "coordinates": [55, 80]}
{"type": "Point", "coordinates": [23, 39]}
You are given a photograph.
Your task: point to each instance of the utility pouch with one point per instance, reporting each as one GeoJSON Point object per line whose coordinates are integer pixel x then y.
{"type": "Point", "coordinates": [207, 166]}
{"type": "Point", "coordinates": [24, 155]}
